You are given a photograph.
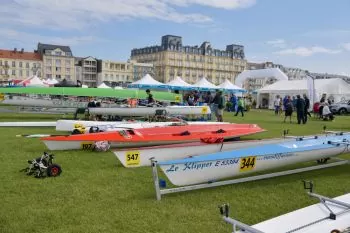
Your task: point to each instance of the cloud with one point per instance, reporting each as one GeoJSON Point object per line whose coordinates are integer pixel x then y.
{"type": "Point", "coordinates": [26, 39]}
{"type": "Point", "coordinates": [78, 14]}
{"type": "Point", "coordinates": [278, 43]}
{"type": "Point", "coordinates": [346, 46]}
{"type": "Point", "coordinates": [328, 33]}
{"type": "Point", "coordinates": [305, 52]}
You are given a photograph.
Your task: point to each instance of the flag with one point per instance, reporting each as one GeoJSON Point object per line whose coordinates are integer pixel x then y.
{"type": "Point", "coordinates": [311, 89]}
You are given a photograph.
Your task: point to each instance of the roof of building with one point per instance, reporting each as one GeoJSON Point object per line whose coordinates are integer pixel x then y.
{"type": "Point", "coordinates": [43, 47]}
{"type": "Point", "coordinates": [11, 54]}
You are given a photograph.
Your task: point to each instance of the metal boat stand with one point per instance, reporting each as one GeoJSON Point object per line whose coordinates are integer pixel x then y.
{"type": "Point", "coordinates": [308, 185]}
{"type": "Point", "coordinates": [160, 183]}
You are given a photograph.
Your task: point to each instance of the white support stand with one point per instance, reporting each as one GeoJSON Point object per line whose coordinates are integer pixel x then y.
{"type": "Point", "coordinates": [160, 192]}
{"type": "Point", "coordinates": [308, 185]}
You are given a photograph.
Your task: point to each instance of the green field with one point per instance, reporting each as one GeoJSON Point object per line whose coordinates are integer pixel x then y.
{"type": "Point", "coordinates": [96, 194]}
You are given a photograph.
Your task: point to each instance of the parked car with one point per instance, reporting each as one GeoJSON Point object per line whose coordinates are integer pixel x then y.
{"type": "Point", "coordinates": [342, 107]}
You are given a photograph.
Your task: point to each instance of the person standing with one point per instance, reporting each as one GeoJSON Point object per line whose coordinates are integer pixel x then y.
{"type": "Point", "coordinates": [150, 99]}
{"type": "Point", "coordinates": [240, 107]}
{"type": "Point", "coordinates": [221, 106]}
{"type": "Point", "coordinates": [288, 110]}
{"type": "Point", "coordinates": [300, 106]}
{"type": "Point", "coordinates": [233, 100]}
{"type": "Point", "coordinates": [215, 103]}
{"type": "Point", "coordinates": [306, 109]}
{"type": "Point", "coordinates": [276, 104]}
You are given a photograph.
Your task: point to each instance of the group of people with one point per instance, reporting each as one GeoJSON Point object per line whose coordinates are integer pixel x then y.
{"type": "Point", "coordinates": [290, 104]}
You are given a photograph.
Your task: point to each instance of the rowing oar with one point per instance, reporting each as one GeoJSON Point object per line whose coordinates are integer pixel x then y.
{"type": "Point", "coordinates": [38, 135]}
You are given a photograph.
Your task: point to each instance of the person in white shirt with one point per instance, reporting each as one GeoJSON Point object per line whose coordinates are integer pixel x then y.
{"type": "Point", "coordinates": [326, 112]}
{"type": "Point", "coordinates": [276, 104]}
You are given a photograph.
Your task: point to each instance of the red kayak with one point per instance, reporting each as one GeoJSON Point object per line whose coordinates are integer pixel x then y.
{"type": "Point", "coordinates": [152, 136]}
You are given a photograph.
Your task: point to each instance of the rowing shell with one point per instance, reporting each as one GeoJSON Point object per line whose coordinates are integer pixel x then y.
{"type": "Point", "coordinates": [213, 167]}
{"type": "Point", "coordinates": [139, 157]}
{"type": "Point", "coordinates": [68, 125]}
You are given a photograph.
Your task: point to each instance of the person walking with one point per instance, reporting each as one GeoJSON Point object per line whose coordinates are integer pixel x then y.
{"type": "Point", "coordinates": [300, 106]}
{"type": "Point", "coordinates": [221, 106]}
{"type": "Point", "coordinates": [306, 109]}
{"type": "Point", "coordinates": [276, 104]}
{"type": "Point", "coordinates": [288, 111]}
{"type": "Point", "coordinates": [215, 103]}
{"type": "Point", "coordinates": [240, 107]}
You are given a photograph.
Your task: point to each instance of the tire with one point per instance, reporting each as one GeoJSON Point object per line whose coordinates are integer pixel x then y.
{"type": "Point", "coordinates": [54, 170]}
{"type": "Point", "coordinates": [343, 111]}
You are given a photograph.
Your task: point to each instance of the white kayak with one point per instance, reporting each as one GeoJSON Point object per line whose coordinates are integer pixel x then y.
{"type": "Point", "coordinates": [28, 124]}
{"type": "Point", "coordinates": [217, 166]}
{"type": "Point", "coordinates": [68, 125]}
{"type": "Point", "coordinates": [146, 111]}
{"type": "Point", "coordinates": [143, 155]}
{"type": "Point", "coordinates": [301, 219]}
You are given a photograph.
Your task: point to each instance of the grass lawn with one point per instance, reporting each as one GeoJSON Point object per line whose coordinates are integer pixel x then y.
{"type": "Point", "coordinates": [96, 194]}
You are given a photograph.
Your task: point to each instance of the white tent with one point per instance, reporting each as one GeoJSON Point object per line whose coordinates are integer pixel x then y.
{"type": "Point", "coordinates": [118, 88]}
{"type": "Point", "coordinates": [84, 86]}
{"type": "Point", "coordinates": [227, 85]}
{"type": "Point", "coordinates": [204, 84]}
{"type": "Point", "coordinates": [103, 85]}
{"type": "Point", "coordinates": [261, 73]}
{"type": "Point", "coordinates": [33, 81]}
{"type": "Point", "coordinates": [147, 81]}
{"type": "Point", "coordinates": [51, 81]}
{"type": "Point", "coordinates": [179, 83]}
{"type": "Point", "coordinates": [336, 89]}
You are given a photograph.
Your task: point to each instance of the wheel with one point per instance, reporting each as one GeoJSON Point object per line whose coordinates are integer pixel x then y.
{"type": "Point", "coordinates": [54, 170]}
{"type": "Point", "coordinates": [343, 111]}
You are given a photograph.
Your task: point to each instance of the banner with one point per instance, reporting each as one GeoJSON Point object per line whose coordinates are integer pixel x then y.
{"type": "Point", "coordinates": [311, 89]}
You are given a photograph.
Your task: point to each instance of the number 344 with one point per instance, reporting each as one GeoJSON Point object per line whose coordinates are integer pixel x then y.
{"type": "Point", "coordinates": [247, 163]}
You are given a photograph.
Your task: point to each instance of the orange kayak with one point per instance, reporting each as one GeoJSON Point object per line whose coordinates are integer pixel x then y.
{"type": "Point", "coordinates": [151, 136]}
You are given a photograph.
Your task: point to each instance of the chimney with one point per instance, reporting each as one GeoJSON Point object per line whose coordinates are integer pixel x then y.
{"type": "Point", "coordinates": [15, 50]}
{"type": "Point", "coordinates": [22, 50]}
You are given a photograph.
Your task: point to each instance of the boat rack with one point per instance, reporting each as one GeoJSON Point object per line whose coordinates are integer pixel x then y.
{"type": "Point", "coordinates": [160, 183]}
{"type": "Point", "coordinates": [308, 185]}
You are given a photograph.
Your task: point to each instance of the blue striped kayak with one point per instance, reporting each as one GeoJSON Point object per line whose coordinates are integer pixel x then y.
{"type": "Point", "coordinates": [217, 166]}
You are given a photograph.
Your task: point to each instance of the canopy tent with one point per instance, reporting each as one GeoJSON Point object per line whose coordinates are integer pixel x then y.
{"type": "Point", "coordinates": [261, 73]}
{"type": "Point", "coordinates": [33, 81]}
{"type": "Point", "coordinates": [179, 84]}
{"type": "Point", "coordinates": [118, 88]}
{"type": "Point", "coordinates": [204, 85]}
{"type": "Point", "coordinates": [227, 85]}
{"type": "Point", "coordinates": [51, 81]}
{"type": "Point", "coordinates": [147, 82]}
{"type": "Point", "coordinates": [336, 89]}
{"type": "Point", "coordinates": [84, 86]}
{"type": "Point", "coordinates": [103, 85]}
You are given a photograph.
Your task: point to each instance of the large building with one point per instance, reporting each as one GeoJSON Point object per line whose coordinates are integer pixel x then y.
{"type": "Point", "coordinates": [141, 69]}
{"type": "Point", "coordinates": [19, 65]}
{"type": "Point", "coordinates": [58, 62]}
{"type": "Point", "coordinates": [114, 73]}
{"type": "Point", "coordinates": [86, 71]}
{"type": "Point", "coordinates": [171, 59]}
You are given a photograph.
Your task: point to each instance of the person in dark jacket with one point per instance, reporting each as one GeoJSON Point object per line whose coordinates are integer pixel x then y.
{"type": "Point", "coordinates": [306, 109]}
{"type": "Point", "coordinates": [300, 106]}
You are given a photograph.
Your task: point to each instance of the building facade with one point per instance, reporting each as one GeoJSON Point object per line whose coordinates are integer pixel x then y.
{"type": "Point", "coordinates": [141, 69]}
{"type": "Point", "coordinates": [171, 59]}
{"type": "Point", "coordinates": [58, 62]}
{"type": "Point", "coordinates": [86, 71]}
{"type": "Point", "coordinates": [114, 73]}
{"type": "Point", "coordinates": [19, 65]}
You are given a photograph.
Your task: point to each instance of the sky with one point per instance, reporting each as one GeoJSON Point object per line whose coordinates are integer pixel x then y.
{"type": "Point", "coordinates": [307, 34]}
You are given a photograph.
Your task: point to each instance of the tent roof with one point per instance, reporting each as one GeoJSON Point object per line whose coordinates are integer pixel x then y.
{"type": "Point", "coordinates": [203, 83]}
{"type": "Point", "coordinates": [261, 73]}
{"type": "Point", "coordinates": [103, 85]}
{"type": "Point", "coordinates": [230, 86]}
{"type": "Point", "coordinates": [32, 81]}
{"type": "Point", "coordinates": [178, 81]}
{"type": "Point", "coordinates": [329, 86]}
{"type": "Point", "coordinates": [148, 80]}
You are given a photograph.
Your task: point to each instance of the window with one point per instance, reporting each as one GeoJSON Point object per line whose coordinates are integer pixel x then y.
{"type": "Point", "coordinates": [6, 63]}
{"type": "Point", "coordinates": [67, 70]}
{"type": "Point", "coordinates": [58, 62]}
{"type": "Point", "coordinates": [67, 62]}
{"type": "Point", "coordinates": [49, 60]}
{"type": "Point", "coordinates": [27, 65]}
{"type": "Point", "coordinates": [58, 53]}
{"type": "Point", "coordinates": [27, 73]}
{"type": "Point", "coordinates": [48, 76]}
{"type": "Point", "coordinates": [20, 64]}
{"type": "Point", "coordinates": [34, 65]}
{"type": "Point", "coordinates": [48, 69]}
{"type": "Point", "coordinates": [58, 69]}
{"type": "Point", "coordinates": [13, 72]}
{"type": "Point", "coordinates": [58, 76]}
{"type": "Point", "coordinates": [0, 63]}
{"type": "Point", "coordinates": [13, 64]}
{"type": "Point", "coordinates": [68, 77]}
{"type": "Point", "coordinates": [20, 73]}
